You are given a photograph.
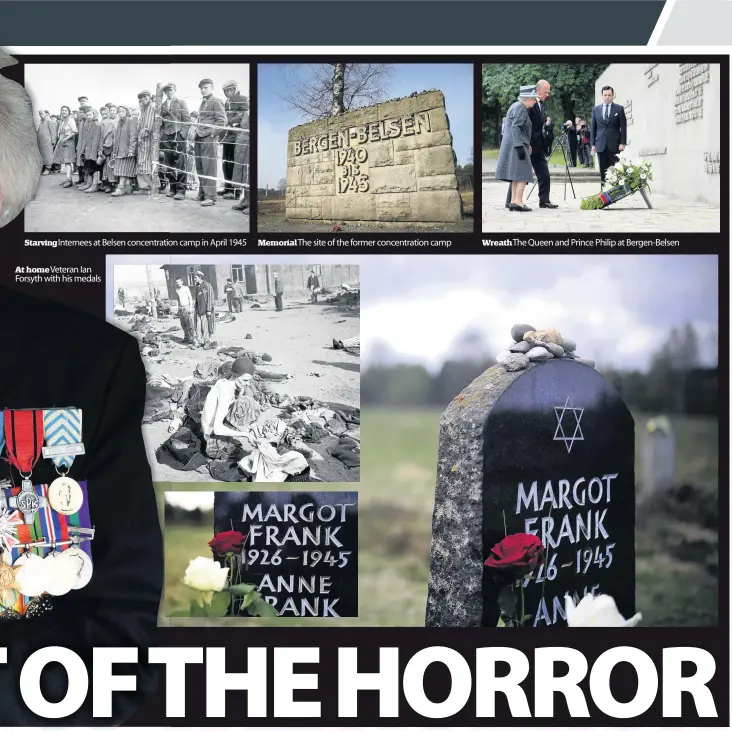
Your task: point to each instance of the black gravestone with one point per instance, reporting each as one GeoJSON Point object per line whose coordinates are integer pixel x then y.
{"type": "Point", "coordinates": [301, 549]}
{"type": "Point", "coordinates": [559, 463]}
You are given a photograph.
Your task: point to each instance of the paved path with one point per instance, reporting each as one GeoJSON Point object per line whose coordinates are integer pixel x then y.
{"type": "Point", "coordinates": [627, 216]}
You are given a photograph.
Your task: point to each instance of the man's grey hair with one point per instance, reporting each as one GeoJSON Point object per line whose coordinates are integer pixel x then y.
{"type": "Point", "coordinates": [541, 84]}
{"type": "Point", "coordinates": [20, 155]}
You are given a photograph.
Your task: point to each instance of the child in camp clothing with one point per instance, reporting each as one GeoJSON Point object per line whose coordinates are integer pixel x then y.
{"type": "Point", "coordinates": [90, 153]}
{"type": "Point", "coordinates": [108, 125]}
{"type": "Point", "coordinates": [65, 152]}
{"type": "Point", "coordinates": [119, 606]}
{"type": "Point", "coordinates": [124, 151]}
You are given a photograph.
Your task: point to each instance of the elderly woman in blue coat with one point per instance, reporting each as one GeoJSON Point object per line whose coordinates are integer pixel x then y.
{"type": "Point", "coordinates": [514, 163]}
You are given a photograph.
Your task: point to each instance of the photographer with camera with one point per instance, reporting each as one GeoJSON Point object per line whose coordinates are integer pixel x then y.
{"type": "Point", "coordinates": [585, 154]}
{"type": "Point", "coordinates": [547, 133]}
{"type": "Point", "coordinates": [570, 129]}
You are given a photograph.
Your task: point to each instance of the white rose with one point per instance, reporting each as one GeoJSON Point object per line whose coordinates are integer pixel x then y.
{"type": "Point", "coordinates": [206, 575]}
{"type": "Point", "coordinates": [597, 611]}
{"type": "Point", "coordinates": [643, 176]}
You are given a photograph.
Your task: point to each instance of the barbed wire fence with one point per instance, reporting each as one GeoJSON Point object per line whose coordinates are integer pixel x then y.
{"type": "Point", "coordinates": [189, 166]}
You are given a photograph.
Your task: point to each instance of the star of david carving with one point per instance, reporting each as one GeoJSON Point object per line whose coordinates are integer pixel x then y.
{"type": "Point", "coordinates": [568, 424]}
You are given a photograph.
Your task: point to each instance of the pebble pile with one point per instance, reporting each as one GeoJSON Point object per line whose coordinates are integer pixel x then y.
{"type": "Point", "coordinates": [537, 345]}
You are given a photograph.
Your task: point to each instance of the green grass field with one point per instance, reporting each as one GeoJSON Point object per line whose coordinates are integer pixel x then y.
{"type": "Point", "coordinates": [491, 153]}
{"type": "Point", "coordinates": [395, 503]}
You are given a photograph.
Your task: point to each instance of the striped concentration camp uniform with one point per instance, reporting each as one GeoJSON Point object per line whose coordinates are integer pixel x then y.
{"type": "Point", "coordinates": [125, 146]}
{"type": "Point", "coordinates": [145, 140]}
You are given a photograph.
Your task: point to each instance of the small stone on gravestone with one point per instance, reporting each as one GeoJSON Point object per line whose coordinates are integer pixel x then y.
{"type": "Point", "coordinates": [518, 331]}
{"type": "Point", "coordinates": [520, 347]}
{"type": "Point", "coordinates": [550, 451]}
{"type": "Point", "coordinates": [545, 336]}
{"type": "Point", "coordinates": [553, 348]}
{"type": "Point", "coordinates": [516, 362]}
{"type": "Point", "coordinates": [569, 346]}
{"type": "Point", "coordinates": [539, 354]}
{"type": "Point", "coordinates": [585, 361]}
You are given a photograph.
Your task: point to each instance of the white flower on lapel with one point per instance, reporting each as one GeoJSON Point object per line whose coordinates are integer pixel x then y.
{"type": "Point", "coordinates": [597, 611]}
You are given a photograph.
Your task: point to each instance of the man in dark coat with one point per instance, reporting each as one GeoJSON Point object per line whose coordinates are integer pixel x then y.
{"type": "Point", "coordinates": [204, 309]}
{"type": "Point", "coordinates": [537, 114]}
{"type": "Point", "coordinates": [211, 120]}
{"type": "Point", "coordinates": [279, 292]}
{"type": "Point", "coordinates": [236, 106]}
{"type": "Point", "coordinates": [608, 131]}
{"type": "Point", "coordinates": [174, 130]}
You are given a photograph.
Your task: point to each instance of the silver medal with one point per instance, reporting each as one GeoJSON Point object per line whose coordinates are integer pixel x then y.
{"type": "Point", "coordinates": [84, 563]}
{"type": "Point", "coordinates": [62, 573]}
{"type": "Point", "coordinates": [65, 495]}
{"type": "Point", "coordinates": [31, 580]}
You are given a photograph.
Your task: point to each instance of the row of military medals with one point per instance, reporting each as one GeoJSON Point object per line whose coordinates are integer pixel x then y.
{"type": "Point", "coordinates": [58, 572]}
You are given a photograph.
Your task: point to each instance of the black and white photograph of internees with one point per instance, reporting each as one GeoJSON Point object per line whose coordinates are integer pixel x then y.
{"type": "Point", "coordinates": [159, 148]}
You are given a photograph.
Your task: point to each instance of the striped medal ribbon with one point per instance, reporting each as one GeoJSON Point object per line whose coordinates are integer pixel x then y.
{"type": "Point", "coordinates": [62, 432]}
{"type": "Point", "coordinates": [24, 443]}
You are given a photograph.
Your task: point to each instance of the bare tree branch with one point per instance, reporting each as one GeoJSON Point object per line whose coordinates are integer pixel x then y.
{"type": "Point", "coordinates": [314, 92]}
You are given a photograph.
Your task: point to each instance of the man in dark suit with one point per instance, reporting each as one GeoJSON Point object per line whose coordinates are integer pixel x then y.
{"type": "Point", "coordinates": [537, 114]}
{"type": "Point", "coordinates": [608, 131]}
{"type": "Point", "coordinates": [236, 106]}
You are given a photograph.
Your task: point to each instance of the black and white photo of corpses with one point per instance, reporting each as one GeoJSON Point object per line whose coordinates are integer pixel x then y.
{"type": "Point", "coordinates": [253, 370]}
{"type": "Point", "coordinates": [160, 148]}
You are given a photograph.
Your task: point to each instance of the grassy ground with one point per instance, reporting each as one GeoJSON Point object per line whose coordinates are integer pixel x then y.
{"type": "Point", "coordinates": [396, 498]}
{"type": "Point", "coordinates": [491, 153]}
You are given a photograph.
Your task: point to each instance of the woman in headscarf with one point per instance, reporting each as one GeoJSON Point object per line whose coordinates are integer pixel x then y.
{"type": "Point", "coordinates": [514, 163]}
{"type": "Point", "coordinates": [92, 151]}
{"type": "Point", "coordinates": [65, 152]}
{"type": "Point", "coordinates": [46, 140]}
{"type": "Point", "coordinates": [124, 150]}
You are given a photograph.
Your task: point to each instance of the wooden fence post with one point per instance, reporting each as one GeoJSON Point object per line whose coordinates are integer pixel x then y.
{"type": "Point", "coordinates": [156, 139]}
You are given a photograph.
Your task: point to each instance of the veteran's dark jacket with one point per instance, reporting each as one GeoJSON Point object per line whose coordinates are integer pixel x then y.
{"type": "Point", "coordinates": [56, 356]}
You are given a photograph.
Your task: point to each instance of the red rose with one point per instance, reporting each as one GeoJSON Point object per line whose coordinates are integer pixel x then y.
{"type": "Point", "coordinates": [517, 555]}
{"type": "Point", "coordinates": [227, 542]}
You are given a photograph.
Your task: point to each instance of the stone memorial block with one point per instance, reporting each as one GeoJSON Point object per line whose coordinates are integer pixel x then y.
{"type": "Point", "coordinates": [545, 450]}
{"type": "Point", "coordinates": [391, 162]}
{"type": "Point", "coordinates": [301, 550]}
{"type": "Point", "coordinates": [674, 114]}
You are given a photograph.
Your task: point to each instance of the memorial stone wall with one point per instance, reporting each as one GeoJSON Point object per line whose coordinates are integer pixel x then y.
{"type": "Point", "coordinates": [391, 162]}
{"type": "Point", "coordinates": [673, 113]}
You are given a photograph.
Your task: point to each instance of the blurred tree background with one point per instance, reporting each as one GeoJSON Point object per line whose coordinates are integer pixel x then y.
{"type": "Point", "coordinates": [572, 92]}
{"type": "Point", "coordinates": [675, 383]}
